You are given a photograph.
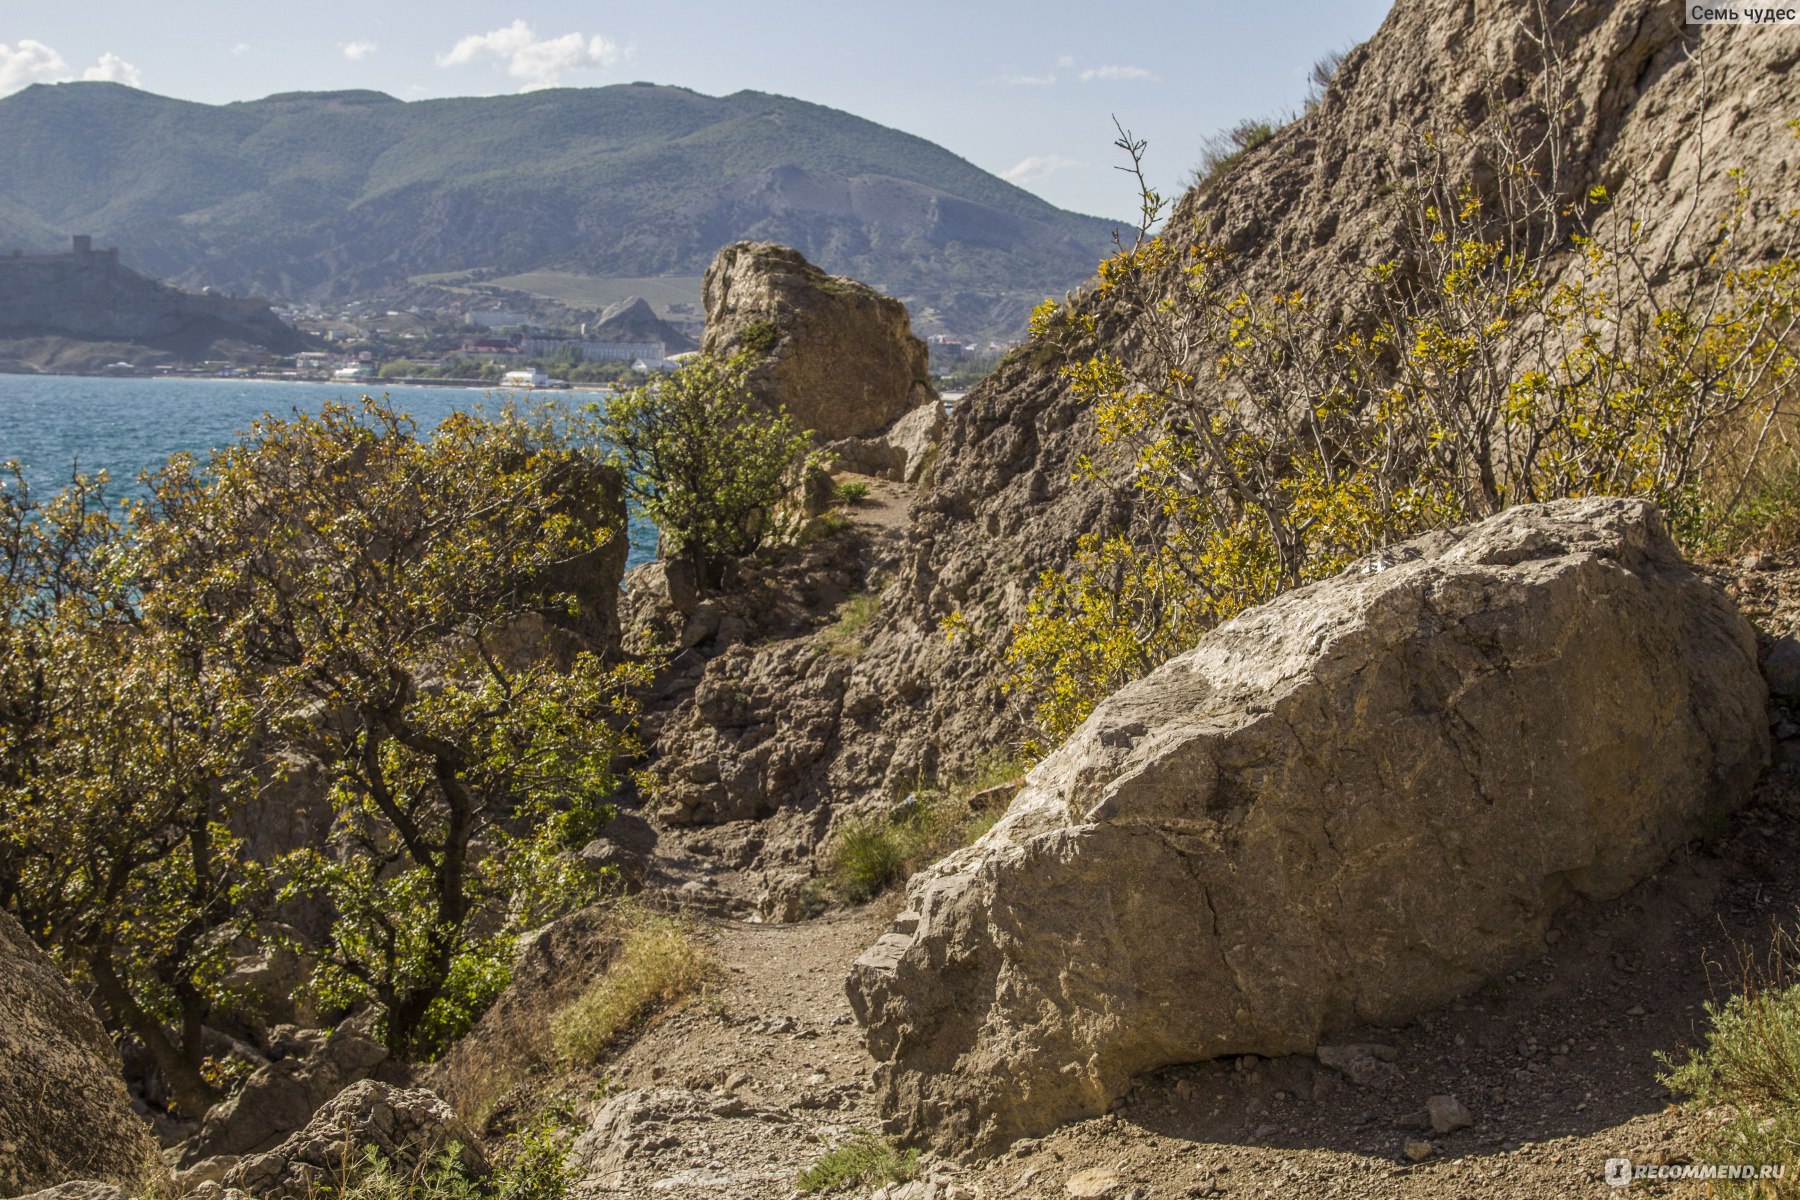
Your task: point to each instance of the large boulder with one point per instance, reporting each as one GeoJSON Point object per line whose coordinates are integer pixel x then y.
{"type": "Point", "coordinates": [1346, 806]}
{"type": "Point", "coordinates": [64, 1113]}
{"type": "Point", "coordinates": [839, 355]}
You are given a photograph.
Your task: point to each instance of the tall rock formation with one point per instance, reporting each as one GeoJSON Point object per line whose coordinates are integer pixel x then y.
{"type": "Point", "coordinates": [1347, 806]}
{"type": "Point", "coordinates": [64, 1113]}
{"type": "Point", "coordinates": [838, 355]}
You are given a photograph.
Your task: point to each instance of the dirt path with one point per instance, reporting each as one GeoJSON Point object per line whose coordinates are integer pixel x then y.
{"type": "Point", "coordinates": [736, 1094]}
{"type": "Point", "coordinates": [1557, 1066]}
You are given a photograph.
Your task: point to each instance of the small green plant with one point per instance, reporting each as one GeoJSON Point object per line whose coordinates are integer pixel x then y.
{"type": "Point", "coordinates": [863, 1159]}
{"type": "Point", "coordinates": [1748, 1072]}
{"type": "Point", "coordinates": [869, 854]}
{"type": "Point", "coordinates": [843, 638]}
{"type": "Point", "coordinates": [853, 491]}
{"type": "Point", "coordinates": [660, 962]}
{"type": "Point", "coordinates": [760, 336]}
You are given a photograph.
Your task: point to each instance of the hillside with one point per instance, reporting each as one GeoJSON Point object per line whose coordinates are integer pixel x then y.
{"type": "Point", "coordinates": [313, 195]}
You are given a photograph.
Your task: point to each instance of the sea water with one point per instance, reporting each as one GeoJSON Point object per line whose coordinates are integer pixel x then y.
{"type": "Point", "coordinates": [54, 425]}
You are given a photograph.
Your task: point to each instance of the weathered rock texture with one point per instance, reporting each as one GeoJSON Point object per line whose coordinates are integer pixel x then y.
{"type": "Point", "coordinates": [839, 355]}
{"type": "Point", "coordinates": [64, 1113]}
{"type": "Point", "coordinates": [900, 452]}
{"type": "Point", "coordinates": [1349, 805]}
{"type": "Point", "coordinates": [409, 1127]}
{"type": "Point", "coordinates": [282, 1096]}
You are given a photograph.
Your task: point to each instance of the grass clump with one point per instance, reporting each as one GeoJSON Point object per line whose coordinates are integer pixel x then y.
{"type": "Point", "coordinates": [1223, 151]}
{"type": "Point", "coordinates": [1747, 1076]}
{"type": "Point", "coordinates": [843, 638]}
{"type": "Point", "coordinates": [853, 491]}
{"type": "Point", "coordinates": [869, 854]}
{"type": "Point", "coordinates": [660, 962]}
{"type": "Point", "coordinates": [862, 1160]}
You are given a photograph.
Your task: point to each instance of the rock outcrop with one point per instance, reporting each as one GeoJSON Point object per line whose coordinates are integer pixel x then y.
{"type": "Point", "coordinates": [900, 452]}
{"type": "Point", "coordinates": [633, 320]}
{"type": "Point", "coordinates": [311, 1068]}
{"type": "Point", "coordinates": [840, 356]}
{"type": "Point", "coordinates": [64, 1113]}
{"type": "Point", "coordinates": [1346, 806]}
{"type": "Point", "coordinates": [554, 966]}
{"type": "Point", "coordinates": [408, 1127]}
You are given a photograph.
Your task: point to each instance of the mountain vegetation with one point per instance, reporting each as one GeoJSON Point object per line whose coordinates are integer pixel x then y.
{"type": "Point", "coordinates": [309, 195]}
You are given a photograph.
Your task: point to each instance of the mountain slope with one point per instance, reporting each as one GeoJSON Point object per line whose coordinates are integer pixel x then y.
{"type": "Point", "coordinates": [310, 195]}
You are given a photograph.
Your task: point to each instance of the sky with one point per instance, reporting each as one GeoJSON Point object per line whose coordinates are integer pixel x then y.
{"type": "Point", "coordinates": [1026, 90]}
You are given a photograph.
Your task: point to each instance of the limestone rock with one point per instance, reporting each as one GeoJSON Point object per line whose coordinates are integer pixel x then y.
{"type": "Point", "coordinates": [840, 356]}
{"type": "Point", "coordinates": [638, 1122]}
{"type": "Point", "coordinates": [283, 1096]}
{"type": "Point", "coordinates": [64, 1113]}
{"type": "Point", "coordinates": [406, 1126]}
{"type": "Point", "coordinates": [1448, 1114]}
{"type": "Point", "coordinates": [1781, 667]}
{"type": "Point", "coordinates": [1365, 1065]}
{"type": "Point", "coordinates": [1248, 847]}
{"type": "Point", "coordinates": [898, 452]}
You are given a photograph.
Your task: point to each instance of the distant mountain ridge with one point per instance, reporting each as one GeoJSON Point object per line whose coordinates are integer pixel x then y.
{"type": "Point", "coordinates": [332, 194]}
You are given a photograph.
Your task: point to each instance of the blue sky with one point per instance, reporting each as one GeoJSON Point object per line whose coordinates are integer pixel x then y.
{"type": "Point", "coordinates": [1025, 90]}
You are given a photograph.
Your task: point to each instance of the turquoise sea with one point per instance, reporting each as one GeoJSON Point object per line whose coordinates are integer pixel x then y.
{"type": "Point", "coordinates": [53, 424]}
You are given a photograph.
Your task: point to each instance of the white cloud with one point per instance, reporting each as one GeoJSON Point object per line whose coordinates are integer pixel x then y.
{"type": "Point", "coordinates": [33, 62]}
{"type": "Point", "coordinates": [1110, 74]}
{"type": "Point", "coordinates": [1026, 80]}
{"type": "Point", "coordinates": [113, 69]}
{"type": "Point", "coordinates": [1065, 61]}
{"type": "Point", "coordinates": [241, 48]}
{"type": "Point", "coordinates": [357, 51]}
{"type": "Point", "coordinates": [537, 62]}
{"type": "Point", "coordinates": [1039, 167]}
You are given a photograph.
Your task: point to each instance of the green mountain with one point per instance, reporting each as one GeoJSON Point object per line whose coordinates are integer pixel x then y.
{"type": "Point", "coordinates": [341, 194]}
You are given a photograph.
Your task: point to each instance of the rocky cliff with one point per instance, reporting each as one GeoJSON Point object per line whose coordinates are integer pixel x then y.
{"type": "Point", "coordinates": [838, 355]}
{"type": "Point", "coordinates": [1660, 112]}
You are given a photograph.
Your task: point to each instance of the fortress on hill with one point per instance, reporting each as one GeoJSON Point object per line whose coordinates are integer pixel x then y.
{"type": "Point", "coordinates": [88, 295]}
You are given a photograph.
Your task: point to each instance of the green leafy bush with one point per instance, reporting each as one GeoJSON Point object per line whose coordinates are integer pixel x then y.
{"type": "Point", "coordinates": [714, 470]}
{"type": "Point", "coordinates": [854, 491]}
